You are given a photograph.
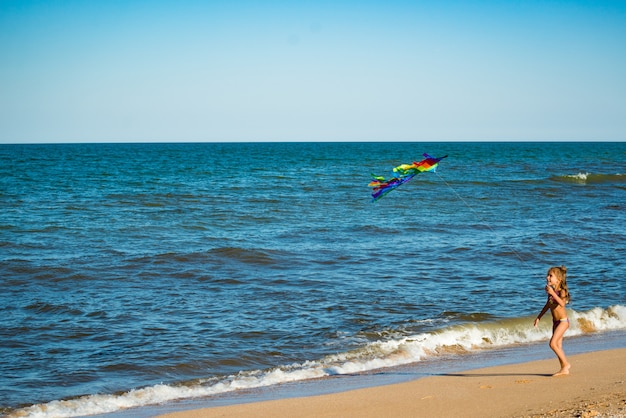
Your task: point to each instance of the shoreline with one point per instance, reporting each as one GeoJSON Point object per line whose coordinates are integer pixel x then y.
{"type": "Point", "coordinates": [596, 387]}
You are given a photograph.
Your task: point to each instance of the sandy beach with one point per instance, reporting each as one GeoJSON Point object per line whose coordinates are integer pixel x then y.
{"type": "Point", "coordinates": [595, 388]}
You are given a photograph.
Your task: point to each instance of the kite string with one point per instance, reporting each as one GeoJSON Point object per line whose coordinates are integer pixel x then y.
{"type": "Point", "coordinates": [476, 214]}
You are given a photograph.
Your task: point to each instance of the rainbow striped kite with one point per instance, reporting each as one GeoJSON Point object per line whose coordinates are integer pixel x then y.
{"type": "Point", "coordinates": [402, 174]}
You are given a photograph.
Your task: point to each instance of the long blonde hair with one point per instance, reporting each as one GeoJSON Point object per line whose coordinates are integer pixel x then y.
{"type": "Point", "coordinates": [561, 273]}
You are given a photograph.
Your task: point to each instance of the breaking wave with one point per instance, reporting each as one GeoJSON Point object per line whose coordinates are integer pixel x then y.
{"type": "Point", "coordinates": [589, 178]}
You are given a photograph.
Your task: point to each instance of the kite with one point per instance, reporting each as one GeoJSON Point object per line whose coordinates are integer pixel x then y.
{"type": "Point", "coordinates": [402, 174]}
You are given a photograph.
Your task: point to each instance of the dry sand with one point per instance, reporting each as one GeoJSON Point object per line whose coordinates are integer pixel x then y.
{"type": "Point", "coordinates": [595, 388]}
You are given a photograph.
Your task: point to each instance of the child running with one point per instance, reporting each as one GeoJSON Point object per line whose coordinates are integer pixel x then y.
{"type": "Point", "coordinates": [558, 296]}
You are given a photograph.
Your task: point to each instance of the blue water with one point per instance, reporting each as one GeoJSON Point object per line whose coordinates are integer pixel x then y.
{"type": "Point", "coordinates": [197, 269]}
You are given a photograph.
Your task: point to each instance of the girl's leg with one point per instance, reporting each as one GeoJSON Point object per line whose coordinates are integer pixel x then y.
{"type": "Point", "coordinates": [556, 344]}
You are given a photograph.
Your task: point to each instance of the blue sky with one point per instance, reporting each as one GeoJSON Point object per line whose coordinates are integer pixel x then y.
{"type": "Point", "coordinates": [155, 70]}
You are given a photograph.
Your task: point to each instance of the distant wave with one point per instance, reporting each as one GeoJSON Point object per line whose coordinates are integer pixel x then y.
{"type": "Point", "coordinates": [247, 256]}
{"type": "Point", "coordinates": [223, 254]}
{"type": "Point", "coordinates": [590, 178]}
{"type": "Point", "coordinates": [458, 339]}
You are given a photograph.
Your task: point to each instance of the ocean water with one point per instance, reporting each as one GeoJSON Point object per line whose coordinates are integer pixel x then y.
{"type": "Point", "coordinates": [142, 274]}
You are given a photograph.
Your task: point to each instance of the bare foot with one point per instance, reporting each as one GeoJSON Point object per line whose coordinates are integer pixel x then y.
{"type": "Point", "coordinates": [564, 371]}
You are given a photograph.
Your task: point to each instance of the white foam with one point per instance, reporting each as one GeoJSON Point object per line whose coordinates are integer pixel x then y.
{"type": "Point", "coordinates": [455, 339]}
{"type": "Point", "coordinates": [580, 176]}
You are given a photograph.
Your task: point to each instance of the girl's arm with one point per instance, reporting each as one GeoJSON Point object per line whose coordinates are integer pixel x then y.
{"type": "Point", "coordinates": [543, 311]}
{"type": "Point", "coordinates": [556, 296]}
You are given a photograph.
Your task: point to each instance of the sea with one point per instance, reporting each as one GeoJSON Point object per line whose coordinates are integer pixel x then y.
{"type": "Point", "coordinates": [143, 278]}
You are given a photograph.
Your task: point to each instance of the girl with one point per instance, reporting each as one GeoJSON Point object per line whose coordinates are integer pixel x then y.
{"type": "Point", "coordinates": [558, 296]}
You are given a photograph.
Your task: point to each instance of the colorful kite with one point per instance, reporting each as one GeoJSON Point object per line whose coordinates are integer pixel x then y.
{"type": "Point", "coordinates": [402, 174]}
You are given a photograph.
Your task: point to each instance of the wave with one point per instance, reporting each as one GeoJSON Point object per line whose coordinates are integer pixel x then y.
{"type": "Point", "coordinates": [247, 256]}
{"type": "Point", "coordinates": [590, 178]}
{"type": "Point", "coordinates": [261, 257]}
{"type": "Point", "coordinates": [453, 340]}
